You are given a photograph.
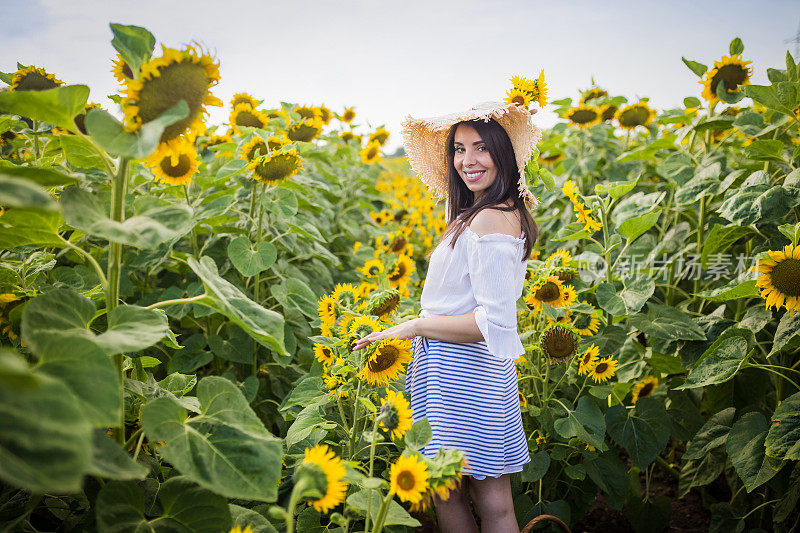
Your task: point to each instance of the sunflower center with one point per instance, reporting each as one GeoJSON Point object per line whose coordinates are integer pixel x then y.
{"type": "Point", "coordinates": [518, 99]}
{"type": "Point", "coordinates": [634, 117]}
{"type": "Point", "coordinates": [246, 118]}
{"type": "Point", "coordinates": [276, 168]}
{"type": "Point", "coordinates": [385, 358]}
{"type": "Point", "coordinates": [347, 299]}
{"type": "Point", "coordinates": [406, 480]}
{"type": "Point", "coordinates": [785, 277]}
{"type": "Point", "coordinates": [582, 116]}
{"type": "Point", "coordinates": [387, 306]}
{"type": "Point", "coordinates": [304, 132]}
{"type": "Point", "coordinates": [176, 171]}
{"type": "Point", "coordinates": [398, 244]}
{"type": "Point", "coordinates": [548, 292]}
{"type": "Point", "coordinates": [372, 152]}
{"type": "Point", "coordinates": [34, 81]}
{"type": "Point", "coordinates": [363, 330]}
{"type": "Point", "coordinates": [600, 368]}
{"type": "Point", "coordinates": [646, 390]}
{"type": "Point", "coordinates": [733, 75]}
{"type": "Point", "coordinates": [258, 149]}
{"type": "Point", "coordinates": [401, 271]}
{"type": "Point", "coordinates": [177, 81]}
{"type": "Point", "coordinates": [374, 270]}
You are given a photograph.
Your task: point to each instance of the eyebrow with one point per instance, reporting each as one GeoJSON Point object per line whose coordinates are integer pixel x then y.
{"type": "Point", "coordinates": [473, 144]}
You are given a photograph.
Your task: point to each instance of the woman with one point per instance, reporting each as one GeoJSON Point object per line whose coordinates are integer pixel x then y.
{"type": "Point", "coordinates": [462, 376]}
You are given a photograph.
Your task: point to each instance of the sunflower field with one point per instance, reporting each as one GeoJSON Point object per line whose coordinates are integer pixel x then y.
{"type": "Point", "coordinates": [180, 301]}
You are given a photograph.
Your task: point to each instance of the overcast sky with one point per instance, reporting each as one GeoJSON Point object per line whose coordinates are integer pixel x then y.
{"type": "Point", "coordinates": [417, 57]}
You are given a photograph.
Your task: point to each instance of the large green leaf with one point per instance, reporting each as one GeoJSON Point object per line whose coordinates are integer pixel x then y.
{"type": "Point", "coordinates": [134, 43]}
{"type": "Point", "coordinates": [668, 323]}
{"type": "Point", "coordinates": [110, 461]}
{"type": "Point", "coordinates": [79, 152]}
{"type": "Point", "coordinates": [787, 334]}
{"type": "Point", "coordinates": [634, 227]}
{"type": "Point", "coordinates": [57, 106]}
{"type": "Point", "coordinates": [184, 508]}
{"type": "Point", "coordinates": [745, 446]}
{"type": "Point", "coordinates": [756, 199]}
{"type": "Point", "coordinates": [307, 421]}
{"type": "Point", "coordinates": [537, 467]}
{"type": "Point", "coordinates": [244, 517]}
{"type": "Point", "coordinates": [45, 439]}
{"type": "Point", "coordinates": [45, 177]}
{"type": "Point", "coordinates": [251, 259]}
{"type": "Point", "coordinates": [265, 325]}
{"type": "Point", "coordinates": [225, 449]}
{"type": "Point", "coordinates": [721, 360]}
{"type": "Point", "coordinates": [609, 473]}
{"type": "Point", "coordinates": [733, 290]}
{"type": "Point", "coordinates": [586, 422]}
{"type": "Point", "coordinates": [643, 431]}
{"type": "Point", "coordinates": [395, 515]}
{"type": "Point", "coordinates": [720, 239]}
{"type": "Point", "coordinates": [20, 227]}
{"type": "Point", "coordinates": [15, 192]}
{"type": "Point", "coordinates": [712, 435]}
{"type": "Point", "coordinates": [783, 439]}
{"type": "Point", "coordinates": [295, 294]}
{"type": "Point", "coordinates": [84, 211]}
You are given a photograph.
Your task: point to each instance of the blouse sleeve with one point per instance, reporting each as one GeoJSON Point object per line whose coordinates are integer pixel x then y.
{"type": "Point", "coordinates": [492, 263]}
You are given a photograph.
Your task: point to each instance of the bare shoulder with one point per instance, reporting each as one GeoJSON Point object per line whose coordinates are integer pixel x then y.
{"type": "Point", "coordinates": [495, 221]}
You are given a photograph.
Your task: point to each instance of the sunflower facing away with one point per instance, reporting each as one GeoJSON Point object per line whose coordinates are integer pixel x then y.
{"type": "Point", "coordinates": [638, 114]}
{"type": "Point", "coordinates": [174, 161]}
{"type": "Point", "coordinates": [163, 82]}
{"type": "Point", "coordinates": [122, 72]}
{"type": "Point", "coordinates": [409, 478]}
{"type": "Point", "coordinates": [33, 79]}
{"type": "Point", "coordinates": [780, 278]}
{"type": "Point", "coordinates": [363, 326]}
{"type": "Point", "coordinates": [344, 294]}
{"type": "Point", "coordinates": [733, 70]}
{"type": "Point", "coordinates": [276, 166]}
{"type": "Point", "coordinates": [395, 414]}
{"type": "Point", "coordinates": [383, 303]}
{"type": "Point", "coordinates": [334, 470]}
{"type": "Point", "coordinates": [604, 369]}
{"type": "Point", "coordinates": [387, 360]}
{"type": "Point", "coordinates": [584, 116]}
{"type": "Point", "coordinates": [644, 388]}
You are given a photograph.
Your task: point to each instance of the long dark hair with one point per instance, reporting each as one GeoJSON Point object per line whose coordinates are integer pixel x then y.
{"type": "Point", "coordinates": [462, 206]}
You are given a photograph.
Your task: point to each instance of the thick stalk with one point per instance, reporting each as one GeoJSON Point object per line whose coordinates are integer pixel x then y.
{"type": "Point", "coordinates": [355, 420]}
{"type": "Point", "coordinates": [371, 463]}
{"type": "Point", "coordinates": [700, 234]}
{"type": "Point", "coordinates": [35, 140]}
{"type": "Point", "coordinates": [381, 518]}
{"type": "Point", "coordinates": [257, 190]}
{"type": "Point", "coordinates": [607, 255]}
{"type": "Point", "coordinates": [118, 186]}
{"type": "Point", "coordinates": [297, 493]}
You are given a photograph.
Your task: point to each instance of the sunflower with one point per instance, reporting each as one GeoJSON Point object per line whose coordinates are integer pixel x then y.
{"type": "Point", "coordinates": [591, 94]}
{"type": "Point", "coordinates": [238, 529]}
{"type": "Point", "coordinates": [305, 130]}
{"type": "Point", "coordinates": [551, 158]}
{"type": "Point", "coordinates": [372, 268]}
{"type": "Point", "coordinates": [401, 273]}
{"type": "Point", "coordinates": [398, 244]}
{"type": "Point", "coordinates": [780, 278]}
{"type": "Point", "coordinates": [244, 98]}
{"type": "Point", "coordinates": [387, 360]}
{"type": "Point", "coordinates": [584, 116]}
{"type": "Point", "coordinates": [335, 385]}
{"type": "Point", "coordinates": [609, 112]}
{"type": "Point", "coordinates": [591, 327]}
{"type": "Point", "coordinates": [348, 115]}
{"type": "Point", "coordinates": [163, 82]}
{"type": "Point", "coordinates": [409, 478]}
{"type": "Point", "coordinates": [560, 257]}
{"type": "Point", "coordinates": [571, 190]}
{"type": "Point", "coordinates": [549, 290]}
{"type": "Point", "coordinates": [383, 303]}
{"type": "Point", "coordinates": [558, 344]}
{"type": "Point", "coordinates": [244, 115]}
{"type": "Point", "coordinates": [276, 166]}
{"type": "Point", "coordinates": [33, 79]}
{"type": "Point", "coordinates": [174, 161]}
{"type": "Point", "coordinates": [604, 369]}
{"type": "Point", "coordinates": [517, 96]}
{"type": "Point", "coordinates": [540, 92]}
{"type": "Point", "coordinates": [380, 136]}
{"type": "Point", "coordinates": [395, 414]}
{"type": "Point", "coordinates": [325, 114]}
{"type": "Point", "coordinates": [365, 289]}
{"type": "Point", "coordinates": [327, 310]}
{"type": "Point", "coordinates": [324, 354]}
{"type": "Point", "coordinates": [588, 359]}
{"type": "Point", "coordinates": [344, 294]}
{"type": "Point", "coordinates": [370, 153]}
{"type": "Point", "coordinates": [276, 141]}
{"type": "Point", "coordinates": [638, 114]}
{"type": "Point", "coordinates": [254, 148]}
{"type": "Point", "coordinates": [363, 326]}
{"type": "Point", "coordinates": [80, 119]}
{"type": "Point", "coordinates": [122, 72]}
{"type": "Point", "coordinates": [644, 388]}
{"type": "Point", "coordinates": [347, 136]}
{"type": "Point", "coordinates": [344, 323]}
{"type": "Point", "coordinates": [333, 468]}
{"type": "Point", "coordinates": [308, 112]}
{"type": "Point", "coordinates": [733, 70]}
{"type": "Point", "coordinates": [522, 83]}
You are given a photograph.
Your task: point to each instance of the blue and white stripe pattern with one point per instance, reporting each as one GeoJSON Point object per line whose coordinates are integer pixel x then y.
{"type": "Point", "coordinates": [471, 399]}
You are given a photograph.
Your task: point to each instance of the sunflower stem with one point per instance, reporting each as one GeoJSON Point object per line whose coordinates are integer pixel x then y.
{"type": "Point", "coordinates": [297, 492]}
{"type": "Point", "coordinates": [119, 184]}
{"type": "Point", "coordinates": [98, 270]}
{"type": "Point", "coordinates": [371, 463]}
{"type": "Point", "coordinates": [257, 190]}
{"type": "Point", "coordinates": [381, 518]}
{"type": "Point", "coordinates": [193, 233]}
{"type": "Point", "coordinates": [355, 420]}
{"type": "Point", "coordinates": [177, 301]}
{"type": "Point", "coordinates": [606, 255]}
{"type": "Point", "coordinates": [35, 140]}
{"type": "Point", "coordinates": [700, 225]}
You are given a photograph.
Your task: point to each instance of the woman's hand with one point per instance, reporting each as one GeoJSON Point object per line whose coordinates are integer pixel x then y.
{"type": "Point", "coordinates": [406, 330]}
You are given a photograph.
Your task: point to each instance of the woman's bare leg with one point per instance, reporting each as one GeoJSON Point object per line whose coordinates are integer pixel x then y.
{"type": "Point", "coordinates": [453, 514]}
{"type": "Point", "coordinates": [494, 504]}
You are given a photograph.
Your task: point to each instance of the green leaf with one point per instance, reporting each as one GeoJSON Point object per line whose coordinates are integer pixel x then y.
{"type": "Point", "coordinates": [698, 68]}
{"type": "Point", "coordinates": [294, 294]}
{"type": "Point", "coordinates": [243, 517]}
{"type": "Point", "coordinates": [786, 334]}
{"type": "Point", "coordinates": [643, 431]}
{"type": "Point", "coordinates": [109, 133]}
{"type": "Point", "coordinates": [15, 192]}
{"type": "Point", "coordinates": [45, 177]}
{"type": "Point", "coordinates": [721, 360]}
{"type": "Point", "coordinates": [307, 421]}
{"type": "Point", "coordinates": [419, 435]}
{"type": "Point", "coordinates": [395, 515]}
{"type": "Point", "coordinates": [733, 290]}
{"type": "Point", "coordinates": [134, 43]}
{"type": "Point", "coordinates": [792, 232]}
{"type": "Point", "coordinates": [184, 507]}
{"type": "Point", "coordinates": [616, 189]}
{"type": "Point", "coordinates": [586, 423]}
{"type": "Point", "coordinates": [637, 289]}
{"type": "Point", "coordinates": [20, 227]}
{"type": "Point", "coordinates": [57, 106]}
{"type": "Point", "coordinates": [84, 211]}
{"type": "Point", "coordinates": [608, 473]}
{"type": "Point", "coordinates": [783, 439]}
{"type": "Point", "coordinates": [79, 152]}
{"type": "Point", "coordinates": [765, 150]}
{"type": "Point", "coordinates": [225, 449]}
{"type": "Point", "coordinates": [767, 96]}
{"type": "Point", "coordinates": [648, 151]}
{"type": "Point", "coordinates": [666, 322]}
{"type": "Point", "coordinates": [45, 439]}
{"type": "Point", "coordinates": [720, 238]}
{"type": "Point", "coordinates": [537, 467]}
{"type": "Point", "coordinates": [265, 325]}
{"type": "Point", "coordinates": [132, 328]}
{"type": "Point", "coordinates": [649, 515]}
{"type": "Point", "coordinates": [691, 101]}
{"type": "Point", "coordinates": [745, 446]}
{"type": "Point", "coordinates": [736, 47]}
{"type": "Point", "coordinates": [110, 461]}
{"type": "Point", "coordinates": [609, 300]}
{"type": "Point", "coordinates": [249, 259]}
{"type": "Point", "coordinates": [634, 227]}
{"type": "Point", "coordinates": [712, 435]}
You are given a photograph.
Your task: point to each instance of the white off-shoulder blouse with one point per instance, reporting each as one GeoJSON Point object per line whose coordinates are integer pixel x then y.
{"type": "Point", "coordinates": [484, 275]}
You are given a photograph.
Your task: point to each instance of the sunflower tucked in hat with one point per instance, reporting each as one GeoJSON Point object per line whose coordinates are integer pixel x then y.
{"type": "Point", "coordinates": [424, 142]}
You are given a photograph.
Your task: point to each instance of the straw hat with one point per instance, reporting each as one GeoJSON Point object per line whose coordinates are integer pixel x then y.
{"type": "Point", "coordinates": [424, 142]}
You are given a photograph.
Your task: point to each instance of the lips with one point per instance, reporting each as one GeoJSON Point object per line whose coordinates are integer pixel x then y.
{"type": "Point", "coordinates": [474, 176]}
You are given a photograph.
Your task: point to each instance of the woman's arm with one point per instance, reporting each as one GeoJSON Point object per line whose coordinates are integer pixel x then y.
{"type": "Point", "coordinates": [455, 328]}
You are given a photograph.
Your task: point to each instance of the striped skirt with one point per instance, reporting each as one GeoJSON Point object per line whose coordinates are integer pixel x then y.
{"type": "Point", "coordinates": [471, 399]}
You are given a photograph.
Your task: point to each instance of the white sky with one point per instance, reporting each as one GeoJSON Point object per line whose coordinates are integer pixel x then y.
{"type": "Point", "coordinates": [417, 57]}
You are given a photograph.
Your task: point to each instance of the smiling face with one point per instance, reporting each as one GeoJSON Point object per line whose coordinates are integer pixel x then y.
{"type": "Point", "coordinates": [472, 160]}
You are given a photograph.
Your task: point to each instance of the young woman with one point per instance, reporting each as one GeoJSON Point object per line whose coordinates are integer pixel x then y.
{"type": "Point", "coordinates": [462, 376]}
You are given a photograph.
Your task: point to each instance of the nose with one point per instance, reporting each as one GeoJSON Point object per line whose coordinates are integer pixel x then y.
{"type": "Point", "coordinates": [469, 158]}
